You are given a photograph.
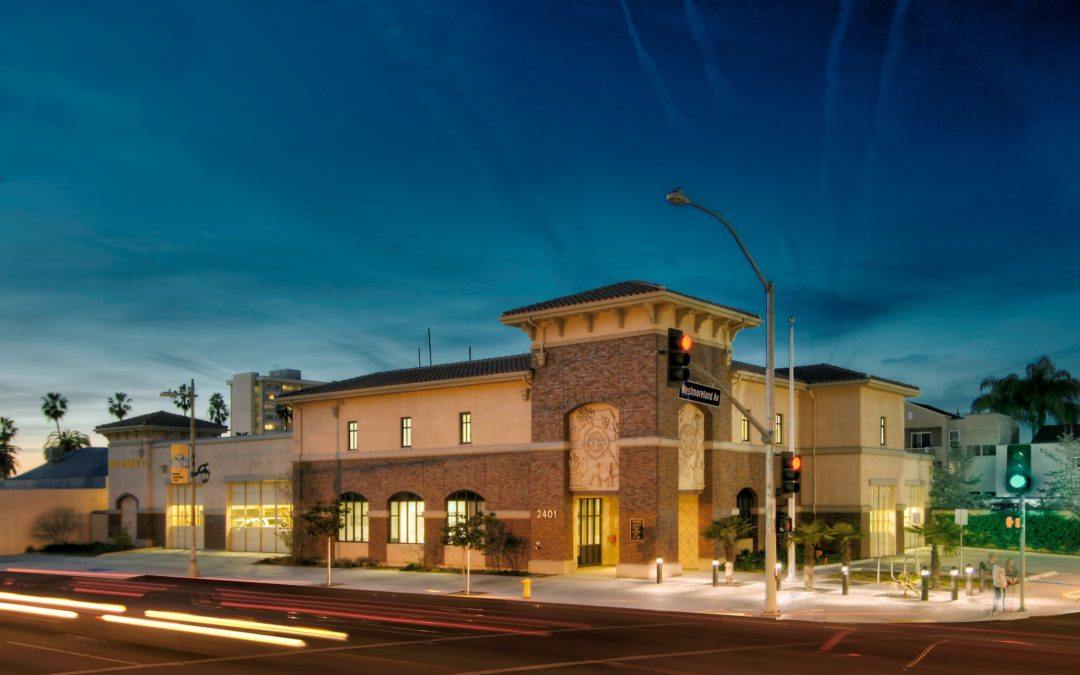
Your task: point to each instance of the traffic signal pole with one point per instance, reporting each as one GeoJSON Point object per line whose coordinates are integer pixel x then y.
{"type": "Point", "coordinates": [791, 441]}
{"type": "Point", "coordinates": [1023, 546]}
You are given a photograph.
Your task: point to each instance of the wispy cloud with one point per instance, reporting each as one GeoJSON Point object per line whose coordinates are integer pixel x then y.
{"type": "Point", "coordinates": [653, 74]}
{"type": "Point", "coordinates": [720, 87]}
{"type": "Point", "coordinates": [832, 86]}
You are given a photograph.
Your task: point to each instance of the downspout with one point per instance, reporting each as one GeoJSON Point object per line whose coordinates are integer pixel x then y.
{"type": "Point", "coordinates": [813, 448]}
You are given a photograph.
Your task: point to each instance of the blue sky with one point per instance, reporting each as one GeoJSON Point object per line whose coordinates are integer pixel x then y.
{"type": "Point", "coordinates": [202, 188]}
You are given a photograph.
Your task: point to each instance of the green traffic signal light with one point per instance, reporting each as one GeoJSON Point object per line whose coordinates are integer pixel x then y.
{"type": "Point", "coordinates": [1018, 468]}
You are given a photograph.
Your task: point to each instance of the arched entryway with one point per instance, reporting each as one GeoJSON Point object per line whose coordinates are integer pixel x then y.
{"type": "Point", "coordinates": [129, 520]}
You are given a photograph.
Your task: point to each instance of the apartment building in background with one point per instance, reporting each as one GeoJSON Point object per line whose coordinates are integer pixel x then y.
{"type": "Point", "coordinates": [254, 400]}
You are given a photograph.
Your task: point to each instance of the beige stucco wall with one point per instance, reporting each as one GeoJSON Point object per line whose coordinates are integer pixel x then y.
{"type": "Point", "coordinates": [500, 416]}
{"type": "Point", "coordinates": [750, 391]}
{"type": "Point", "coordinates": [875, 404]}
{"type": "Point", "coordinates": [21, 507]}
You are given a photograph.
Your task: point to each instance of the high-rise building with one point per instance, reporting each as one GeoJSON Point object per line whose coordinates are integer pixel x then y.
{"type": "Point", "coordinates": [253, 405]}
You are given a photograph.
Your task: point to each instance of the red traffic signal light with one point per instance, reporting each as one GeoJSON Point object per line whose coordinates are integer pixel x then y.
{"type": "Point", "coordinates": [790, 474]}
{"type": "Point", "coordinates": [678, 356]}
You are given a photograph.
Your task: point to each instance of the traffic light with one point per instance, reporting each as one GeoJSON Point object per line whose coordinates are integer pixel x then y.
{"type": "Point", "coordinates": [1018, 469]}
{"type": "Point", "coordinates": [678, 356]}
{"type": "Point", "coordinates": [783, 523]}
{"type": "Point", "coordinates": [790, 474]}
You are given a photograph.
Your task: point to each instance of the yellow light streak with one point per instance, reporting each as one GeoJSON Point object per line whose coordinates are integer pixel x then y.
{"type": "Point", "coordinates": [252, 625]}
{"type": "Point", "coordinates": [204, 630]}
{"type": "Point", "coordinates": [63, 602]}
{"type": "Point", "coordinates": [38, 611]}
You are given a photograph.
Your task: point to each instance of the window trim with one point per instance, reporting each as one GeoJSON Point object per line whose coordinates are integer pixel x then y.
{"type": "Point", "coordinates": [417, 516]}
{"type": "Point", "coordinates": [465, 428]}
{"type": "Point", "coordinates": [745, 430]}
{"type": "Point", "coordinates": [928, 434]}
{"type": "Point", "coordinates": [352, 428]}
{"type": "Point", "coordinates": [883, 430]}
{"type": "Point", "coordinates": [778, 429]}
{"type": "Point", "coordinates": [349, 501]}
{"type": "Point", "coordinates": [406, 430]}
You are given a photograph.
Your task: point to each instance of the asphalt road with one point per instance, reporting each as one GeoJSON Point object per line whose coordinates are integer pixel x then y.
{"type": "Point", "coordinates": [401, 634]}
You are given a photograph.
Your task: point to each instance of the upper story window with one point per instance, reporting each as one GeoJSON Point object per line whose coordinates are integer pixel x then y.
{"type": "Point", "coordinates": [465, 425]}
{"type": "Point", "coordinates": [881, 431]}
{"type": "Point", "coordinates": [745, 429]}
{"type": "Point", "coordinates": [406, 432]}
{"type": "Point", "coordinates": [921, 439]}
{"type": "Point", "coordinates": [406, 519]}
{"type": "Point", "coordinates": [354, 435]}
{"type": "Point", "coordinates": [354, 518]}
{"type": "Point", "coordinates": [779, 432]}
{"type": "Point", "coordinates": [954, 437]}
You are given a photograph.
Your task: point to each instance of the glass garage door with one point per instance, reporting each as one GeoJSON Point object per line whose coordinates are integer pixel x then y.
{"type": "Point", "coordinates": [257, 510]}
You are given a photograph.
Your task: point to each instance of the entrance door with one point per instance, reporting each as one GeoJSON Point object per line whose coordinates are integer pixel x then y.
{"type": "Point", "coordinates": [688, 531]}
{"type": "Point", "coordinates": [590, 535]}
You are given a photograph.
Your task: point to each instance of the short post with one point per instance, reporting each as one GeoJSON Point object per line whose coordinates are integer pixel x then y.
{"type": "Point", "coordinates": [982, 576]}
{"type": "Point", "coordinates": [659, 570]}
{"type": "Point", "coordinates": [779, 571]}
{"type": "Point", "coordinates": [925, 584]}
{"type": "Point", "coordinates": [955, 574]}
{"type": "Point", "coordinates": [844, 574]}
{"type": "Point", "coordinates": [526, 588]}
{"type": "Point", "coordinates": [715, 572]}
{"type": "Point", "coordinates": [969, 570]}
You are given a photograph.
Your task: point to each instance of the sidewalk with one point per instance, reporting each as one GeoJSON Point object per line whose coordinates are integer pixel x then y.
{"type": "Point", "coordinates": [691, 592]}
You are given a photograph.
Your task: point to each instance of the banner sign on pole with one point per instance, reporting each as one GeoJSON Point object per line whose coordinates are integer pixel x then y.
{"type": "Point", "coordinates": [179, 464]}
{"type": "Point", "coordinates": [961, 516]}
{"type": "Point", "coordinates": [699, 393]}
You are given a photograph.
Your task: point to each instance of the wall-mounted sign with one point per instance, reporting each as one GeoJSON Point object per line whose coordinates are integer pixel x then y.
{"type": "Point", "coordinates": [637, 529]}
{"type": "Point", "coordinates": [129, 463]}
{"type": "Point", "coordinates": [699, 393]}
{"type": "Point", "coordinates": [547, 513]}
{"type": "Point", "coordinates": [179, 464]}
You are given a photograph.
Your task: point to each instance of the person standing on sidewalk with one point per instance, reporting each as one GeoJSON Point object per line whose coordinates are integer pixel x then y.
{"type": "Point", "coordinates": [997, 575]}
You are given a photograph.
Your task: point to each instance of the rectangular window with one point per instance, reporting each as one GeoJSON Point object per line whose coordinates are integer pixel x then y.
{"type": "Point", "coordinates": [989, 450]}
{"type": "Point", "coordinates": [407, 522]}
{"type": "Point", "coordinates": [882, 520]}
{"type": "Point", "coordinates": [178, 517]}
{"type": "Point", "coordinates": [354, 519]}
{"type": "Point", "coordinates": [881, 431]}
{"type": "Point", "coordinates": [466, 427]}
{"type": "Point", "coordinates": [354, 436]}
{"type": "Point", "coordinates": [779, 432]}
{"type": "Point", "coordinates": [920, 439]}
{"type": "Point", "coordinates": [406, 432]}
{"type": "Point", "coordinates": [745, 429]}
{"type": "Point", "coordinates": [954, 437]}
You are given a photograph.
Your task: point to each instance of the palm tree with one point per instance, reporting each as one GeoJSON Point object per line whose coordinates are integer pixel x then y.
{"type": "Point", "coordinates": [943, 536]}
{"type": "Point", "coordinates": [119, 405]}
{"type": "Point", "coordinates": [219, 412]}
{"type": "Point", "coordinates": [284, 413]}
{"type": "Point", "coordinates": [810, 536]}
{"type": "Point", "coordinates": [1044, 391]}
{"type": "Point", "coordinates": [54, 407]}
{"type": "Point", "coordinates": [9, 452]}
{"type": "Point", "coordinates": [846, 534]}
{"type": "Point", "coordinates": [182, 400]}
{"type": "Point", "coordinates": [65, 441]}
{"type": "Point", "coordinates": [727, 532]}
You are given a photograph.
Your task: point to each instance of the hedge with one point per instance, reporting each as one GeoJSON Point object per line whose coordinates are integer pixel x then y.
{"type": "Point", "coordinates": [1047, 531]}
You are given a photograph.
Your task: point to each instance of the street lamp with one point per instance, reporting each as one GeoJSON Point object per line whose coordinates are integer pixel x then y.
{"type": "Point", "coordinates": [202, 471]}
{"type": "Point", "coordinates": [679, 198]}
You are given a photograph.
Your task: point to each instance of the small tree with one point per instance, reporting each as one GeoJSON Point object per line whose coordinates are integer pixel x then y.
{"type": "Point", "coordinates": [54, 406]}
{"type": "Point", "coordinates": [845, 534]}
{"type": "Point", "coordinates": [1062, 487]}
{"type": "Point", "coordinates": [943, 536]}
{"type": "Point", "coordinates": [218, 411]}
{"type": "Point", "coordinates": [951, 483]}
{"type": "Point", "coordinates": [65, 441]}
{"type": "Point", "coordinates": [56, 525]}
{"type": "Point", "coordinates": [9, 452]}
{"type": "Point", "coordinates": [469, 533]}
{"type": "Point", "coordinates": [502, 546]}
{"type": "Point", "coordinates": [727, 532]}
{"type": "Point", "coordinates": [182, 400]}
{"type": "Point", "coordinates": [119, 405]}
{"type": "Point", "coordinates": [324, 519]}
{"type": "Point", "coordinates": [810, 536]}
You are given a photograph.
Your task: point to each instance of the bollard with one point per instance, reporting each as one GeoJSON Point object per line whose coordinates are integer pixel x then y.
{"type": "Point", "coordinates": [845, 571]}
{"type": "Point", "coordinates": [659, 570]}
{"type": "Point", "coordinates": [715, 572]}
{"type": "Point", "coordinates": [982, 575]}
{"type": "Point", "coordinates": [925, 584]}
{"type": "Point", "coordinates": [969, 570]}
{"type": "Point", "coordinates": [779, 571]}
{"type": "Point", "coordinates": [955, 574]}
{"type": "Point", "coordinates": [526, 588]}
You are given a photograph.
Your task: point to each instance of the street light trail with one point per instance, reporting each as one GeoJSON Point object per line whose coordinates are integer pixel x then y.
{"type": "Point", "coordinates": [204, 630]}
{"type": "Point", "coordinates": [251, 625]}
{"type": "Point", "coordinates": [63, 602]}
{"type": "Point", "coordinates": [38, 611]}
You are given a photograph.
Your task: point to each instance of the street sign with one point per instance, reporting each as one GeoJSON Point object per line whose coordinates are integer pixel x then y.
{"type": "Point", "coordinates": [179, 464]}
{"type": "Point", "coordinates": [699, 393]}
{"type": "Point", "coordinates": [961, 516]}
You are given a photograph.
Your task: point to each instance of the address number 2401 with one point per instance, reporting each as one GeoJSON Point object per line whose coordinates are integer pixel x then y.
{"type": "Point", "coordinates": [547, 513]}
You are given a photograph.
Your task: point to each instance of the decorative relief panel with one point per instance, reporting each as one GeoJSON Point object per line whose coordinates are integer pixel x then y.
{"type": "Point", "coordinates": [691, 448]}
{"type": "Point", "coordinates": [594, 448]}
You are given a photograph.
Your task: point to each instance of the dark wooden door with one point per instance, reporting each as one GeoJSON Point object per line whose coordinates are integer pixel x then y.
{"type": "Point", "coordinates": [590, 536]}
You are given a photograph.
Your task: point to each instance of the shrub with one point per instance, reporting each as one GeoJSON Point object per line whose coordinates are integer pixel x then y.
{"type": "Point", "coordinates": [365, 561]}
{"type": "Point", "coordinates": [56, 525]}
{"type": "Point", "coordinates": [1046, 531]}
{"type": "Point", "coordinates": [122, 541]}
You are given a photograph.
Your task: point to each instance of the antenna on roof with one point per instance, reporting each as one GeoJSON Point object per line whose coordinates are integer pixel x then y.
{"type": "Point", "coordinates": [470, 352]}
{"type": "Point", "coordinates": [418, 362]}
{"type": "Point", "coordinates": [429, 346]}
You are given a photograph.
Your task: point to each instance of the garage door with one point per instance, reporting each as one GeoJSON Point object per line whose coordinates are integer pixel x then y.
{"type": "Point", "coordinates": [258, 510]}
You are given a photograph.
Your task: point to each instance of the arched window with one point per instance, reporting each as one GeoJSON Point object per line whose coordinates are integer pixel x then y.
{"type": "Point", "coordinates": [462, 505]}
{"type": "Point", "coordinates": [354, 518]}
{"type": "Point", "coordinates": [746, 501]}
{"type": "Point", "coordinates": [406, 519]}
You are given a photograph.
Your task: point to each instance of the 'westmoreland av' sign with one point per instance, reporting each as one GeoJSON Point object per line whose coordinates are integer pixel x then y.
{"type": "Point", "coordinates": [699, 393]}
